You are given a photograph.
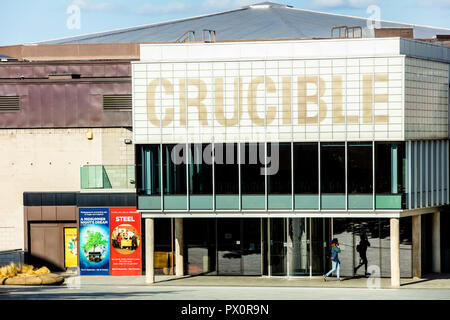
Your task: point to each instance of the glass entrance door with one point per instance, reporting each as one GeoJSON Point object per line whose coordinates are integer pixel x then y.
{"type": "Point", "coordinates": [297, 246]}
{"type": "Point", "coordinates": [229, 246]}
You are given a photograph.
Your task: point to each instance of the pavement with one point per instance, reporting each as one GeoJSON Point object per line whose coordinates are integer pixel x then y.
{"type": "Point", "coordinates": [433, 287]}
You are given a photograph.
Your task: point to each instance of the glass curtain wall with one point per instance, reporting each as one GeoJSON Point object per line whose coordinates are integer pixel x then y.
{"type": "Point", "coordinates": [332, 175]}
{"type": "Point", "coordinates": [292, 179]}
{"type": "Point", "coordinates": [359, 176]}
{"type": "Point", "coordinates": [226, 176]}
{"type": "Point", "coordinates": [200, 177]}
{"type": "Point", "coordinates": [279, 185]}
{"type": "Point", "coordinates": [306, 175]}
{"type": "Point", "coordinates": [365, 246]}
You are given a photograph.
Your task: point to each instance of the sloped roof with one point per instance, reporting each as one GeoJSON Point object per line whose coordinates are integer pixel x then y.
{"type": "Point", "coordinates": [262, 21]}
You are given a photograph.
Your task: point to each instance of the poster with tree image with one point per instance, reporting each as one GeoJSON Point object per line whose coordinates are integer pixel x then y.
{"type": "Point", "coordinates": [94, 241]}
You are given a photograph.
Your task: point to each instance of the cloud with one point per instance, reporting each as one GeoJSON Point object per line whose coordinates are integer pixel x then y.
{"type": "Point", "coordinates": [435, 3]}
{"type": "Point", "coordinates": [89, 5]}
{"type": "Point", "coordinates": [206, 5]}
{"type": "Point", "coordinates": [225, 4]}
{"type": "Point", "coordinates": [340, 4]}
{"type": "Point", "coordinates": [171, 7]}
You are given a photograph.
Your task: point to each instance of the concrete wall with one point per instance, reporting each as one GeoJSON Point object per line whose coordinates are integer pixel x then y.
{"type": "Point", "coordinates": [50, 160]}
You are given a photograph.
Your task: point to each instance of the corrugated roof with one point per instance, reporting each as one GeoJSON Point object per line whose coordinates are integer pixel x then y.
{"type": "Point", "coordinates": [263, 21]}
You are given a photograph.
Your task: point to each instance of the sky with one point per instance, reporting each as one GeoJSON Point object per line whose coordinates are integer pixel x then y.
{"type": "Point", "coordinates": [24, 21]}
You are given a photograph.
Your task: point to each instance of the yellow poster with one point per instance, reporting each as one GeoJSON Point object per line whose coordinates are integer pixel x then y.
{"type": "Point", "coordinates": [70, 247]}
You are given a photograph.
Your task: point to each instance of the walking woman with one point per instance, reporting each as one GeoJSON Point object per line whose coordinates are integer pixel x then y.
{"type": "Point", "coordinates": [336, 265]}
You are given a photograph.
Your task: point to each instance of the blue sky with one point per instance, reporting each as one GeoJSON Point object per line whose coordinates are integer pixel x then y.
{"type": "Point", "coordinates": [23, 21]}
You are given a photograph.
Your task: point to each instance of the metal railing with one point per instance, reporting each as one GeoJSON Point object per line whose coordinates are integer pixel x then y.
{"type": "Point", "coordinates": [346, 32]}
{"type": "Point", "coordinates": [188, 36]}
{"type": "Point", "coordinates": [16, 256]}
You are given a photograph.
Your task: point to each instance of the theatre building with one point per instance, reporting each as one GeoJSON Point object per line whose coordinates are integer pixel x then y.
{"type": "Point", "coordinates": [246, 139]}
{"type": "Point", "coordinates": [254, 155]}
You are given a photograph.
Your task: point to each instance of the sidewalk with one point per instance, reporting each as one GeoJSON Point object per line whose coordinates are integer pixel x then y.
{"type": "Point", "coordinates": [438, 281]}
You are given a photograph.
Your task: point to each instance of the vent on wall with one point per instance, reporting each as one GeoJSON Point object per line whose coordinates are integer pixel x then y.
{"type": "Point", "coordinates": [9, 103]}
{"type": "Point", "coordinates": [117, 102]}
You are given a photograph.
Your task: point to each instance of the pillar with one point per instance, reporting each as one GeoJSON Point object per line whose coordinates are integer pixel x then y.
{"type": "Point", "coordinates": [395, 252]}
{"type": "Point", "coordinates": [149, 251]}
{"type": "Point", "coordinates": [436, 242]}
{"type": "Point", "coordinates": [417, 246]}
{"type": "Point", "coordinates": [179, 262]}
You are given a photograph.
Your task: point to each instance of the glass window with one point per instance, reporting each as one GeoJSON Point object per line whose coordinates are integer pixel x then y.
{"type": "Point", "coordinates": [226, 169]}
{"type": "Point", "coordinates": [390, 175]}
{"type": "Point", "coordinates": [148, 174]}
{"type": "Point", "coordinates": [332, 167]}
{"type": "Point", "coordinates": [252, 168]}
{"type": "Point", "coordinates": [200, 169]}
{"type": "Point", "coordinates": [359, 168]}
{"type": "Point", "coordinates": [174, 160]}
{"type": "Point", "coordinates": [279, 168]}
{"type": "Point", "coordinates": [306, 168]}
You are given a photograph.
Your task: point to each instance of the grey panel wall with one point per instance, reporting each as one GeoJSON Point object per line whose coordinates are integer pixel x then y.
{"type": "Point", "coordinates": [428, 165]}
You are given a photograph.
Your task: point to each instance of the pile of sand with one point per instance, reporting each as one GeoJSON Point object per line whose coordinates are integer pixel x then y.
{"type": "Point", "coordinates": [12, 270]}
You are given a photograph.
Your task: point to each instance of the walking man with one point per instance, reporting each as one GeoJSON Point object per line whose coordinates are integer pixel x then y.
{"type": "Point", "coordinates": [336, 265]}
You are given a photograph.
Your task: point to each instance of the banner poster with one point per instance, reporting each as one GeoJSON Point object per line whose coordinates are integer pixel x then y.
{"type": "Point", "coordinates": [94, 241]}
{"type": "Point", "coordinates": [125, 226]}
{"type": "Point", "coordinates": [70, 247]}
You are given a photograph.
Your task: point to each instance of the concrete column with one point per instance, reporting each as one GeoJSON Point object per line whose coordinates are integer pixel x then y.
{"type": "Point", "coordinates": [149, 250]}
{"type": "Point", "coordinates": [179, 247]}
{"type": "Point", "coordinates": [417, 246]}
{"type": "Point", "coordinates": [436, 239]}
{"type": "Point", "coordinates": [395, 252]}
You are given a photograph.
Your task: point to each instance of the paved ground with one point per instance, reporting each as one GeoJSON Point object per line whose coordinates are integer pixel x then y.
{"type": "Point", "coordinates": [232, 288]}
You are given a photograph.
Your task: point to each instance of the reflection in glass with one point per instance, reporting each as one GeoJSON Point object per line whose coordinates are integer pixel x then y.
{"type": "Point", "coordinates": [252, 168]}
{"type": "Point", "coordinates": [226, 169]}
{"type": "Point", "coordinates": [147, 170]}
{"type": "Point", "coordinates": [280, 182]}
{"type": "Point", "coordinates": [306, 168]}
{"type": "Point", "coordinates": [200, 246]}
{"type": "Point", "coordinates": [390, 169]}
{"type": "Point", "coordinates": [229, 250]}
{"type": "Point", "coordinates": [299, 251]}
{"type": "Point", "coordinates": [174, 173]}
{"type": "Point", "coordinates": [332, 167]}
{"type": "Point", "coordinates": [200, 169]}
{"type": "Point", "coordinates": [277, 247]}
{"type": "Point", "coordinates": [359, 168]}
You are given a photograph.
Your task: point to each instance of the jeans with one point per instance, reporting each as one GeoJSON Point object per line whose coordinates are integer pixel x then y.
{"type": "Point", "coordinates": [336, 266]}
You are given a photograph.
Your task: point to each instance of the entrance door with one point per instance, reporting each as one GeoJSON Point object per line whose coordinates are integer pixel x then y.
{"type": "Point", "coordinates": [229, 246]}
{"type": "Point", "coordinates": [239, 246]}
{"type": "Point", "coordinates": [297, 246]}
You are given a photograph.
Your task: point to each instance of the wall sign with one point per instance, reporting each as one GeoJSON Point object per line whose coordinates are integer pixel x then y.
{"type": "Point", "coordinates": [94, 241]}
{"type": "Point", "coordinates": [125, 228]}
{"type": "Point", "coordinates": [70, 247]}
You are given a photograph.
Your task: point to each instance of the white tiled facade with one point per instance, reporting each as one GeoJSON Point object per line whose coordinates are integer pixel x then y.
{"type": "Point", "coordinates": [354, 90]}
{"type": "Point", "coordinates": [426, 99]}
